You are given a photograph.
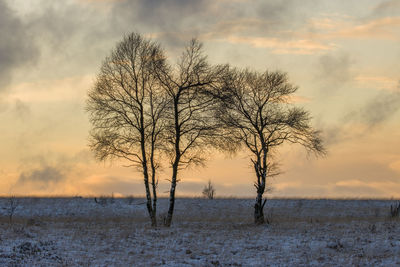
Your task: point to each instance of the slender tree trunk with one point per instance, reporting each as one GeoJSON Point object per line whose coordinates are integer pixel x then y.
{"type": "Point", "coordinates": [154, 185]}
{"type": "Point", "coordinates": [175, 165]}
{"type": "Point", "coordinates": [259, 210]}
{"type": "Point", "coordinates": [261, 172]}
{"type": "Point", "coordinates": [148, 198]}
{"type": "Point", "coordinates": [146, 169]}
{"type": "Point", "coordinates": [146, 185]}
{"type": "Point", "coordinates": [152, 164]}
{"type": "Point", "coordinates": [146, 178]}
{"type": "Point", "coordinates": [259, 205]}
{"type": "Point", "coordinates": [168, 220]}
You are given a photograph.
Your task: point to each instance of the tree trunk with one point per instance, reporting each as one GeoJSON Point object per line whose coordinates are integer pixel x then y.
{"type": "Point", "coordinates": [154, 218]}
{"type": "Point", "coordinates": [259, 205]}
{"type": "Point", "coordinates": [175, 165]}
{"type": "Point", "coordinates": [259, 210]}
{"type": "Point", "coordinates": [148, 204]}
{"type": "Point", "coordinates": [146, 170]}
{"type": "Point", "coordinates": [154, 211]}
{"type": "Point", "coordinates": [146, 185]}
{"type": "Point", "coordinates": [168, 220]}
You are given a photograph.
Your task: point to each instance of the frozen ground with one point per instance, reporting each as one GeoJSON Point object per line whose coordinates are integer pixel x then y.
{"type": "Point", "coordinates": [80, 232]}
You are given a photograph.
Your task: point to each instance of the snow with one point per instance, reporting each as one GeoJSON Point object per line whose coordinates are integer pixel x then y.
{"type": "Point", "coordinates": [219, 232]}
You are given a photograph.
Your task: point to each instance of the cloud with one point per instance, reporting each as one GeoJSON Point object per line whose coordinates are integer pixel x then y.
{"type": "Point", "coordinates": [208, 19]}
{"type": "Point", "coordinates": [339, 188]}
{"type": "Point", "coordinates": [3, 103]}
{"type": "Point", "coordinates": [49, 169]}
{"type": "Point", "coordinates": [285, 14]}
{"type": "Point", "coordinates": [379, 82]}
{"type": "Point", "coordinates": [356, 188]}
{"type": "Point", "coordinates": [17, 46]}
{"type": "Point", "coordinates": [42, 178]}
{"type": "Point", "coordinates": [326, 23]}
{"type": "Point", "coordinates": [336, 28]}
{"type": "Point", "coordinates": [342, 189]}
{"type": "Point", "coordinates": [162, 17]}
{"type": "Point", "coordinates": [386, 8]}
{"type": "Point", "coordinates": [364, 120]}
{"type": "Point", "coordinates": [378, 109]}
{"type": "Point", "coordinates": [280, 46]}
{"type": "Point", "coordinates": [59, 30]}
{"type": "Point", "coordinates": [334, 71]}
{"type": "Point", "coordinates": [382, 28]}
{"type": "Point", "coordinates": [159, 13]}
{"type": "Point", "coordinates": [22, 110]}
{"type": "Point", "coordinates": [97, 25]}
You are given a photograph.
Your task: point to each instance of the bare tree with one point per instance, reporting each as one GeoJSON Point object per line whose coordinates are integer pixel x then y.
{"type": "Point", "coordinates": [126, 108]}
{"type": "Point", "coordinates": [257, 113]}
{"type": "Point", "coordinates": [209, 190]}
{"type": "Point", "coordinates": [191, 126]}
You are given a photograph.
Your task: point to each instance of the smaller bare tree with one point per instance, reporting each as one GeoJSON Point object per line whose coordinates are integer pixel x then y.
{"type": "Point", "coordinates": [209, 190]}
{"type": "Point", "coordinates": [256, 111]}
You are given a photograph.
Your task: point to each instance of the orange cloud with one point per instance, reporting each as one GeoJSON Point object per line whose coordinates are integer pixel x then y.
{"type": "Point", "coordinates": [380, 82]}
{"type": "Point", "coordinates": [343, 28]}
{"type": "Point", "coordinates": [383, 28]}
{"type": "Point", "coordinates": [279, 46]}
{"type": "Point", "coordinates": [69, 88]}
{"type": "Point", "coordinates": [327, 22]}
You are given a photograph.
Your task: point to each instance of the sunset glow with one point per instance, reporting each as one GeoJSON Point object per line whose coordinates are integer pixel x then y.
{"type": "Point", "coordinates": [343, 55]}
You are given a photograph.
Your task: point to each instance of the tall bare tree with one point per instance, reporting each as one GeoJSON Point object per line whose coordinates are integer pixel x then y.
{"type": "Point", "coordinates": [257, 113]}
{"type": "Point", "coordinates": [191, 127]}
{"type": "Point", "coordinates": [126, 108]}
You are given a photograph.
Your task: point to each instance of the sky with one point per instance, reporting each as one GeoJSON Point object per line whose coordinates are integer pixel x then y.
{"type": "Point", "coordinates": [343, 55]}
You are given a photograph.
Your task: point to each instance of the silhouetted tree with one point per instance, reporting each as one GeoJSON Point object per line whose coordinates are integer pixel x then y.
{"type": "Point", "coordinates": [257, 113]}
{"type": "Point", "coordinates": [127, 108]}
{"type": "Point", "coordinates": [191, 125]}
{"type": "Point", "coordinates": [209, 190]}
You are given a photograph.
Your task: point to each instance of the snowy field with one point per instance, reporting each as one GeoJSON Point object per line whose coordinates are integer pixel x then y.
{"type": "Point", "coordinates": [220, 232]}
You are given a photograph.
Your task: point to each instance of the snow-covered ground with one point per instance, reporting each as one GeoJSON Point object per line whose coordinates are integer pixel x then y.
{"type": "Point", "coordinates": [219, 232]}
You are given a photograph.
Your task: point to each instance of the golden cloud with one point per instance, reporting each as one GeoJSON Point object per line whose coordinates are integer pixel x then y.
{"type": "Point", "coordinates": [383, 28]}
{"type": "Point", "coordinates": [280, 46]}
{"type": "Point", "coordinates": [380, 82]}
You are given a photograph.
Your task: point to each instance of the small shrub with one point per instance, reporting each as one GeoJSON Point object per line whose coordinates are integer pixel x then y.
{"type": "Point", "coordinates": [209, 191]}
